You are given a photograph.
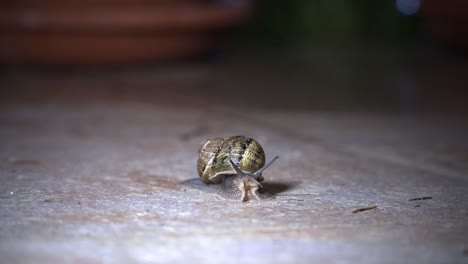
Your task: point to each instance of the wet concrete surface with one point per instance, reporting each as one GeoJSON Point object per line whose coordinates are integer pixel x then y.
{"type": "Point", "coordinates": [92, 183]}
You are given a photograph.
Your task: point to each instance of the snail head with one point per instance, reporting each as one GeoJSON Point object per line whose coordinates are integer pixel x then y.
{"type": "Point", "coordinates": [250, 181]}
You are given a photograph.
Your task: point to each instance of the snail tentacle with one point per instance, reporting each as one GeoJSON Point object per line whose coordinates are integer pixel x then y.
{"type": "Point", "coordinates": [257, 173]}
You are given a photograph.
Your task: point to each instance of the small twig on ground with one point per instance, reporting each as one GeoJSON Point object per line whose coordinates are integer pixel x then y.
{"type": "Point", "coordinates": [420, 198]}
{"type": "Point", "coordinates": [364, 209]}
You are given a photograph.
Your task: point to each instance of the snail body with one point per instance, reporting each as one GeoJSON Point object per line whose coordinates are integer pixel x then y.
{"type": "Point", "coordinates": [233, 166]}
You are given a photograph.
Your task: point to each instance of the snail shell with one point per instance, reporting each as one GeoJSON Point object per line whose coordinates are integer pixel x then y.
{"type": "Point", "coordinates": [215, 155]}
{"type": "Point", "coordinates": [232, 168]}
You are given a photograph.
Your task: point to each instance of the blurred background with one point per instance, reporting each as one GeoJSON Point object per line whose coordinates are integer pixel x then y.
{"type": "Point", "coordinates": [392, 55]}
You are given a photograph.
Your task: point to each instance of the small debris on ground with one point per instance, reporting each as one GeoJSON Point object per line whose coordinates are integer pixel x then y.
{"type": "Point", "coordinates": [420, 198]}
{"type": "Point", "coordinates": [364, 209]}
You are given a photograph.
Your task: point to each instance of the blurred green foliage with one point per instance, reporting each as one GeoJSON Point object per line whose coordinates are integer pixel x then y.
{"type": "Point", "coordinates": [286, 20]}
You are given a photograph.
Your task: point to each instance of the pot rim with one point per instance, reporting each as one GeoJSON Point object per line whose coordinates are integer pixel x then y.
{"type": "Point", "coordinates": [185, 17]}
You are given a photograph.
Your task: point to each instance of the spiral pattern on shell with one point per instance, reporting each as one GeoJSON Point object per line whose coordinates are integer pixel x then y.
{"type": "Point", "coordinates": [214, 155]}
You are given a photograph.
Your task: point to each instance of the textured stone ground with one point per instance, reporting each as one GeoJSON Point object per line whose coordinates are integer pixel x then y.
{"type": "Point", "coordinates": [89, 183]}
{"type": "Point", "coordinates": [91, 161]}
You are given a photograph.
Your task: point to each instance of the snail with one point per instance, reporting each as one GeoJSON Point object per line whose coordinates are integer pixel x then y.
{"type": "Point", "coordinates": [232, 167]}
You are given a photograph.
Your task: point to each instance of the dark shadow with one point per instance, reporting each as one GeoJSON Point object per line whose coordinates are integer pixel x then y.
{"type": "Point", "coordinates": [193, 183]}
{"type": "Point", "coordinates": [279, 187]}
{"type": "Point", "coordinates": [270, 187]}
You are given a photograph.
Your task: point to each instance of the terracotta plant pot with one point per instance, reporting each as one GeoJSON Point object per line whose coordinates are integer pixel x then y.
{"type": "Point", "coordinates": [92, 32]}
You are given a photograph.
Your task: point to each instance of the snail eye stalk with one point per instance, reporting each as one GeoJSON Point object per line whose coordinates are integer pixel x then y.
{"type": "Point", "coordinates": [236, 168]}
{"type": "Point", "coordinates": [255, 174]}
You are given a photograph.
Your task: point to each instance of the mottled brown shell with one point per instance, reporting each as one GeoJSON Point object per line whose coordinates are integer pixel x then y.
{"type": "Point", "coordinates": [214, 154]}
